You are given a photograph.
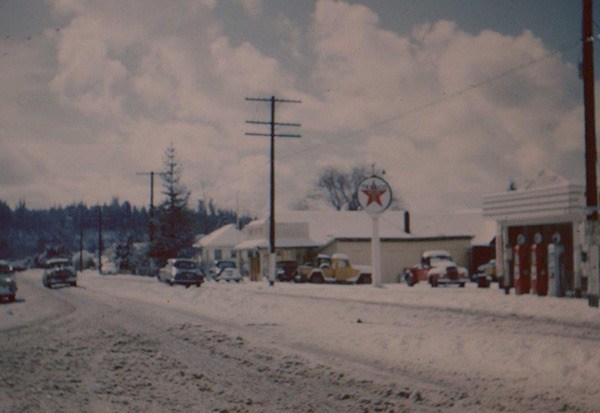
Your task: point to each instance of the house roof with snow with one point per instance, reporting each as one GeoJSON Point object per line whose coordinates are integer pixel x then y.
{"type": "Point", "coordinates": [226, 236]}
{"type": "Point", "coordinates": [472, 222]}
{"type": "Point", "coordinates": [322, 227]}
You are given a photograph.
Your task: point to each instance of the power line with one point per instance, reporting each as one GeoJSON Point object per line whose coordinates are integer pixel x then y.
{"type": "Point", "coordinates": [436, 102]}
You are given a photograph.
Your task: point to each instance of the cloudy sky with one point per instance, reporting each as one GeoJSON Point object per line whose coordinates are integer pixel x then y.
{"type": "Point", "coordinates": [452, 98]}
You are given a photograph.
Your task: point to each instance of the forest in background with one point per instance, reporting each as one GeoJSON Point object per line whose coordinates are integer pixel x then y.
{"type": "Point", "coordinates": [26, 233]}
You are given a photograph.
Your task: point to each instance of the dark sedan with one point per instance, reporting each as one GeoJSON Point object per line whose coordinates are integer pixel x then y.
{"type": "Point", "coordinates": [59, 271]}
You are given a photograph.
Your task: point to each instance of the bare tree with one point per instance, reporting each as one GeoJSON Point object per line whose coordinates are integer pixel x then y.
{"type": "Point", "coordinates": [339, 189]}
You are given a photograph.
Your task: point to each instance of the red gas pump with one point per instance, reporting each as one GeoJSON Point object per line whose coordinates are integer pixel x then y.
{"type": "Point", "coordinates": [521, 270]}
{"type": "Point", "coordinates": [539, 275]}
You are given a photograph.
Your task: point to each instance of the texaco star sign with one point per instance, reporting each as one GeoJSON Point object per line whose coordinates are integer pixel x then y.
{"type": "Point", "coordinates": [374, 195]}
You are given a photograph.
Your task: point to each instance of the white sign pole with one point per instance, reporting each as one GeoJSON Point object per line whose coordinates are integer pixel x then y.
{"type": "Point", "coordinates": [374, 196]}
{"type": "Point", "coordinates": [376, 252]}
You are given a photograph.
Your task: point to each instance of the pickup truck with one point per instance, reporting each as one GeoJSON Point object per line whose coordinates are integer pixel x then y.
{"type": "Point", "coordinates": [436, 268]}
{"type": "Point", "coordinates": [334, 269]}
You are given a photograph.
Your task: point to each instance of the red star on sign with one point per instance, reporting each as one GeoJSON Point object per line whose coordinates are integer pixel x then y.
{"type": "Point", "coordinates": [374, 193]}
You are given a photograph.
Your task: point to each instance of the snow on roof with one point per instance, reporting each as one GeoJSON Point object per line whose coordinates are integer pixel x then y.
{"type": "Point", "coordinates": [226, 236]}
{"type": "Point", "coordinates": [436, 253]}
{"type": "Point", "coordinates": [463, 223]}
{"type": "Point", "coordinates": [279, 243]}
{"type": "Point", "coordinates": [325, 226]}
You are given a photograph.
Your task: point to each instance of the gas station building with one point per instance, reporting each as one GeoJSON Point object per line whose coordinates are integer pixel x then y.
{"type": "Point", "coordinates": [540, 239]}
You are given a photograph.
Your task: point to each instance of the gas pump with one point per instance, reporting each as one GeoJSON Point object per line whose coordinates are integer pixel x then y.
{"type": "Point", "coordinates": [507, 272]}
{"type": "Point", "coordinates": [556, 267]}
{"type": "Point", "coordinates": [521, 269]}
{"type": "Point", "coordinates": [539, 276]}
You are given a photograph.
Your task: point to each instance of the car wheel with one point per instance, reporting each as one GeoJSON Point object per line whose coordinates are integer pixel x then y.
{"type": "Point", "coordinates": [170, 283]}
{"type": "Point", "coordinates": [187, 286]}
{"type": "Point", "coordinates": [198, 284]}
{"type": "Point", "coordinates": [74, 284]}
{"type": "Point", "coordinates": [317, 279]}
{"type": "Point", "coordinates": [461, 285]}
{"type": "Point", "coordinates": [365, 279]}
{"type": "Point", "coordinates": [11, 299]}
{"type": "Point", "coordinates": [48, 285]}
{"type": "Point", "coordinates": [409, 281]}
{"type": "Point", "coordinates": [433, 282]}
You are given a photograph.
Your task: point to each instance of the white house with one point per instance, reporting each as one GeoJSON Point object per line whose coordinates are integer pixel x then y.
{"type": "Point", "coordinates": [219, 244]}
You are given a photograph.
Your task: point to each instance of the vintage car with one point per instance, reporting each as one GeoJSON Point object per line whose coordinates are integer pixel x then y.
{"type": "Point", "coordinates": [486, 274]}
{"type": "Point", "coordinates": [8, 284]}
{"type": "Point", "coordinates": [228, 274]}
{"type": "Point", "coordinates": [285, 270]}
{"type": "Point", "coordinates": [436, 268]}
{"type": "Point", "coordinates": [181, 271]}
{"type": "Point", "coordinates": [59, 271]}
{"type": "Point", "coordinates": [219, 266]}
{"type": "Point", "coordinates": [333, 269]}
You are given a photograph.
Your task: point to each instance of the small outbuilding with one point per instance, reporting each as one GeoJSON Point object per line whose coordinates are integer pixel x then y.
{"type": "Point", "coordinates": [219, 245]}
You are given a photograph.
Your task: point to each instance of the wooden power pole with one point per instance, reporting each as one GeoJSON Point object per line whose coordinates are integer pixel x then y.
{"type": "Point", "coordinates": [272, 100]}
{"type": "Point", "coordinates": [587, 73]}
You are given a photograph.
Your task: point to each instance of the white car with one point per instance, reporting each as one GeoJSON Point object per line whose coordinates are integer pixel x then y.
{"type": "Point", "coordinates": [446, 272]}
{"type": "Point", "coordinates": [228, 274]}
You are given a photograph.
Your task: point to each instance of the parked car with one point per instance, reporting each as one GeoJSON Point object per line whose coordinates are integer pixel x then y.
{"type": "Point", "coordinates": [334, 269]}
{"type": "Point", "coordinates": [286, 270]}
{"type": "Point", "coordinates": [489, 269]}
{"type": "Point", "coordinates": [486, 274]}
{"type": "Point", "coordinates": [8, 284]}
{"type": "Point", "coordinates": [228, 274]}
{"type": "Point", "coordinates": [218, 267]}
{"type": "Point", "coordinates": [59, 271]}
{"type": "Point", "coordinates": [436, 268]}
{"type": "Point", "coordinates": [181, 271]}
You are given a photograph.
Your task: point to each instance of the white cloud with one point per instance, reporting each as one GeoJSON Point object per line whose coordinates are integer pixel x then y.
{"type": "Point", "coordinates": [128, 78]}
{"type": "Point", "coordinates": [253, 8]}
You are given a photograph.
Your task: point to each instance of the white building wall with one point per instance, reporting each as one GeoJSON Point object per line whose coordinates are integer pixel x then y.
{"type": "Point", "coordinates": [396, 255]}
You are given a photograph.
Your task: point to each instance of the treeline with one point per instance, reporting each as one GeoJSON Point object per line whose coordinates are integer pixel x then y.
{"type": "Point", "coordinates": [27, 232]}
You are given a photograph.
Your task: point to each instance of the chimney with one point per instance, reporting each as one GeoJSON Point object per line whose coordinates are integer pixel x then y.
{"type": "Point", "coordinates": [406, 222]}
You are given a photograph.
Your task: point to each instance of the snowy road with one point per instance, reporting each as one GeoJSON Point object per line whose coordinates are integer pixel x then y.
{"type": "Point", "coordinates": [126, 343]}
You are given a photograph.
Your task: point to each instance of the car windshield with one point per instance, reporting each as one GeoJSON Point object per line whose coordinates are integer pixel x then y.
{"type": "Point", "coordinates": [186, 265]}
{"type": "Point", "coordinates": [225, 264]}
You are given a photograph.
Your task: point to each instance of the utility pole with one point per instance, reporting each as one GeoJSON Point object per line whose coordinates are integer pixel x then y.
{"type": "Point", "coordinates": [272, 100]}
{"type": "Point", "coordinates": [80, 239]}
{"type": "Point", "coordinates": [100, 242]}
{"type": "Point", "coordinates": [587, 69]}
{"type": "Point", "coordinates": [151, 212]}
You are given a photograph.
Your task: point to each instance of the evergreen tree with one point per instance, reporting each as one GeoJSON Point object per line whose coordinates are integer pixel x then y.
{"type": "Point", "coordinates": [174, 221]}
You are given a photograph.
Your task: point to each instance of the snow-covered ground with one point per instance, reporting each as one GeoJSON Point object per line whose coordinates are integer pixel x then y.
{"type": "Point", "coordinates": [495, 352]}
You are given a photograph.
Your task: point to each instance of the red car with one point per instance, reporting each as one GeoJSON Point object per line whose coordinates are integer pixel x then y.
{"type": "Point", "coordinates": [436, 268]}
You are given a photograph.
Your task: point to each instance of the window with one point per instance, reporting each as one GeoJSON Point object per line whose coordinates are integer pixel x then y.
{"type": "Point", "coordinates": [218, 255]}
